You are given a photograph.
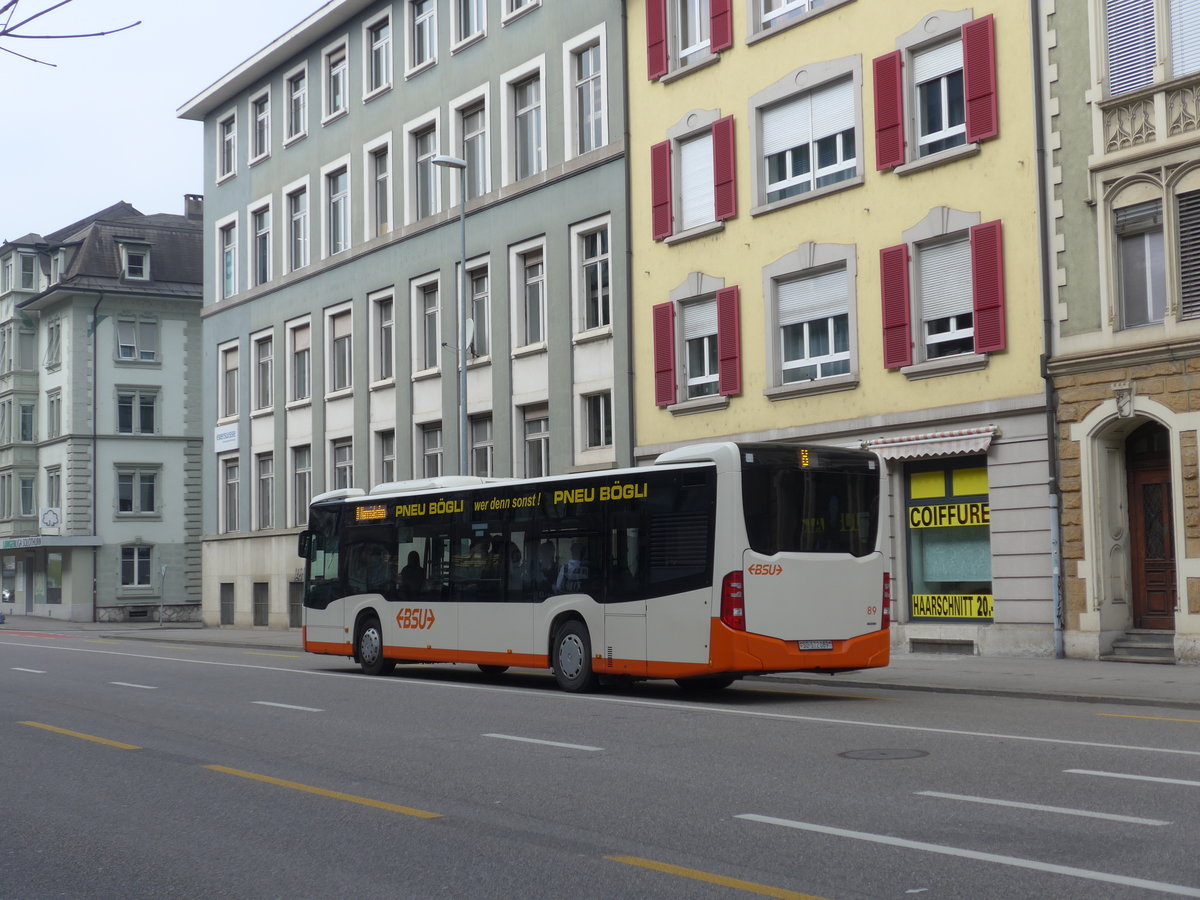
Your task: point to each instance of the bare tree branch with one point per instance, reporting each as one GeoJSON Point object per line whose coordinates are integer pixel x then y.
{"type": "Point", "coordinates": [8, 30]}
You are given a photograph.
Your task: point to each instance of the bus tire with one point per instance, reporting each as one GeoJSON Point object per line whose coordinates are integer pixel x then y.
{"type": "Point", "coordinates": [572, 657]}
{"type": "Point", "coordinates": [368, 649]}
{"type": "Point", "coordinates": [493, 670]}
{"type": "Point", "coordinates": [706, 682]}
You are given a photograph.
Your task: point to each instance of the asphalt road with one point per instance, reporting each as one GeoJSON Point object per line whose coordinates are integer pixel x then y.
{"type": "Point", "coordinates": [129, 769]}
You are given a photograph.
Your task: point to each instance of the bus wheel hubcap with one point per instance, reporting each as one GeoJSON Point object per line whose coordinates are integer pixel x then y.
{"type": "Point", "coordinates": [570, 656]}
{"type": "Point", "coordinates": [369, 646]}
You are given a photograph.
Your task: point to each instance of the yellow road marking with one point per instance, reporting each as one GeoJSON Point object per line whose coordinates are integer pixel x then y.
{"type": "Point", "coordinates": [321, 792]}
{"type": "Point", "coordinates": [81, 736]}
{"type": "Point", "coordinates": [1151, 718]}
{"type": "Point", "coordinates": [696, 875]}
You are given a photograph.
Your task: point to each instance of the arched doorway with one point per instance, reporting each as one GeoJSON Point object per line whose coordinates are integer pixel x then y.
{"type": "Point", "coordinates": [1151, 535]}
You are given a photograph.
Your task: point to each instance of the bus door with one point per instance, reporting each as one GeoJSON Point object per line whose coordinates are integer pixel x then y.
{"type": "Point", "coordinates": [320, 549]}
{"type": "Point", "coordinates": [624, 647]}
{"type": "Point", "coordinates": [495, 618]}
{"type": "Point", "coordinates": [424, 619]}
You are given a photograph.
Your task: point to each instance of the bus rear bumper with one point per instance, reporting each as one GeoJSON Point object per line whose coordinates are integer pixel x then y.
{"type": "Point", "coordinates": [736, 651]}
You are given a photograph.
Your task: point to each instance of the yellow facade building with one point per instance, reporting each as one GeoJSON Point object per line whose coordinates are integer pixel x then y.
{"type": "Point", "coordinates": [836, 237]}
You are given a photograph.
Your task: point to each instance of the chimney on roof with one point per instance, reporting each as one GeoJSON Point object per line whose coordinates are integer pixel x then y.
{"type": "Point", "coordinates": [193, 206]}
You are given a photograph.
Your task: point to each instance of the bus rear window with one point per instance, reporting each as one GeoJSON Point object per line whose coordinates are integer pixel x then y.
{"type": "Point", "coordinates": [810, 500]}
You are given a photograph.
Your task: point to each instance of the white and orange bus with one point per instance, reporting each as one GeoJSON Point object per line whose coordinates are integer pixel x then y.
{"type": "Point", "coordinates": [719, 560]}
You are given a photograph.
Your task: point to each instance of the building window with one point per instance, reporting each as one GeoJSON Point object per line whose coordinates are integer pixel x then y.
{"type": "Point", "coordinates": [380, 191]}
{"type": "Point", "coordinates": [137, 491]}
{"type": "Point", "coordinates": [694, 27]}
{"type": "Point", "coordinates": [264, 500]}
{"type": "Point", "coordinates": [260, 115]}
{"type": "Point", "coordinates": [425, 194]}
{"type": "Point", "coordinates": [474, 149]}
{"type": "Point", "coordinates": [27, 487]}
{"type": "Point", "coordinates": [427, 327]}
{"type": "Point", "coordinates": [228, 242]}
{"type": "Point", "coordinates": [135, 262]}
{"type": "Point", "coordinates": [814, 326]}
{"type": "Point", "coordinates": [597, 420]}
{"type": "Point", "coordinates": [53, 414]}
{"type": "Point", "coordinates": [701, 185]}
{"type": "Point", "coordinates": [1141, 264]}
{"type": "Point", "coordinates": [28, 271]}
{"type": "Point", "coordinates": [809, 142]}
{"type": "Point", "coordinates": [775, 13]}
{"type": "Point", "coordinates": [953, 54]}
{"type": "Point", "coordinates": [137, 411]}
{"type": "Point", "coordinates": [227, 146]}
{"type": "Point", "coordinates": [951, 282]}
{"type": "Point", "coordinates": [470, 18]}
{"type": "Point", "coordinates": [53, 343]}
{"type": "Point", "coordinates": [682, 33]}
{"type": "Point", "coordinates": [342, 454]}
{"type": "Point", "coordinates": [27, 421]}
{"type": "Point", "coordinates": [477, 281]}
{"type": "Point", "coordinates": [431, 450]}
{"type": "Point", "coordinates": [261, 248]}
{"type": "Point", "coordinates": [301, 363]}
{"type": "Point", "coordinates": [481, 446]}
{"type": "Point", "coordinates": [341, 356]}
{"type": "Point", "coordinates": [230, 478]}
{"type": "Point", "coordinates": [531, 274]}
{"type": "Point", "coordinates": [379, 56]}
{"type": "Point", "coordinates": [6, 496]}
{"type": "Point", "coordinates": [590, 116]}
{"type": "Point", "coordinates": [297, 229]}
{"type": "Point", "coordinates": [528, 144]}
{"type": "Point", "coordinates": [595, 302]}
{"type": "Point", "coordinates": [6, 275]}
{"type": "Point", "coordinates": [54, 487]}
{"type": "Point", "coordinates": [537, 441]}
{"type": "Point", "coordinates": [297, 118]}
{"type": "Point", "coordinates": [229, 382]}
{"type": "Point", "coordinates": [708, 347]}
{"type": "Point", "coordinates": [386, 444]}
{"type": "Point", "coordinates": [137, 339]}
{"type": "Point", "coordinates": [337, 213]}
{"type": "Point", "coordinates": [1132, 29]}
{"type": "Point", "coordinates": [1188, 229]}
{"type": "Point", "coordinates": [512, 7]}
{"type": "Point", "coordinates": [135, 567]}
{"type": "Point", "coordinates": [336, 70]}
{"type": "Point", "coordinates": [385, 347]}
{"type": "Point", "coordinates": [301, 483]}
{"type": "Point", "coordinates": [423, 31]}
{"type": "Point", "coordinates": [263, 372]}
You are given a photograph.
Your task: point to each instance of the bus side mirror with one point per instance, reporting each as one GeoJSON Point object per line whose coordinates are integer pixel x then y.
{"type": "Point", "coordinates": [304, 547]}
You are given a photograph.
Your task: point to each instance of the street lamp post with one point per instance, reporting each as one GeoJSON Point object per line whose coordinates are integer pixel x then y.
{"type": "Point", "coordinates": [454, 162]}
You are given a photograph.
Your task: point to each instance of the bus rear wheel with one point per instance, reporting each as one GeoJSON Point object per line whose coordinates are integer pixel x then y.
{"type": "Point", "coordinates": [572, 657]}
{"type": "Point", "coordinates": [368, 649]}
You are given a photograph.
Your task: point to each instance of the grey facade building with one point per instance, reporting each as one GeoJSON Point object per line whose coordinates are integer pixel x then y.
{"type": "Point", "coordinates": [332, 249]}
{"type": "Point", "coordinates": [100, 418]}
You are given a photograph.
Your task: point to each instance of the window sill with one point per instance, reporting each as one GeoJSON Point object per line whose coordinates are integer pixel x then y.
{"type": "Point", "coordinates": [601, 333]}
{"type": "Point", "coordinates": [378, 92]}
{"type": "Point", "coordinates": [426, 374]}
{"type": "Point", "coordinates": [418, 69]}
{"type": "Point", "coordinates": [138, 517]}
{"type": "Point", "coordinates": [511, 17]}
{"type": "Point", "coordinates": [773, 205]}
{"type": "Point", "coordinates": [479, 362]}
{"type": "Point", "coordinates": [262, 157]}
{"type": "Point", "coordinates": [339, 394]}
{"type": "Point", "coordinates": [678, 71]}
{"type": "Point", "coordinates": [768, 31]}
{"type": "Point", "coordinates": [949, 365]}
{"type": "Point", "coordinates": [221, 179]}
{"type": "Point", "coordinates": [699, 405]}
{"type": "Point", "coordinates": [829, 385]}
{"type": "Point", "coordinates": [469, 41]}
{"type": "Point", "coordinates": [294, 139]}
{"type": "Point", "coordinates": [383, 383]}
{"type": "Point", "coordinates": [263, 412]}
{"type": "Point", "coordinates": [697, 232]}
{"type": "Point", "coordinates": [138, 363]}
{"type": "Point", "coordinates": [334, 116]}
{"type": "Point", "coordinates": [529, 350]}
{"type": "Point", "coordinates": [300, 403]}
{"type": "Point", "coordinates": [937, 159]}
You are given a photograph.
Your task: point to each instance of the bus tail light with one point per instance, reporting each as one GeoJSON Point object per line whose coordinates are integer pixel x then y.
{"type": "Point", "coordinates": [886, 622]}
{"type": "Point", "coordinates": [733, 604]}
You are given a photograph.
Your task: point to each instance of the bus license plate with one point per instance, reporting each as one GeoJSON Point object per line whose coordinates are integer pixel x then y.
{"type": "Point", "coordinates": [815, 645]}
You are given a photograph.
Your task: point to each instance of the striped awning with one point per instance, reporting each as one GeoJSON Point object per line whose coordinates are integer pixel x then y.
{"type": "Point", "coordinates": [934, 443]}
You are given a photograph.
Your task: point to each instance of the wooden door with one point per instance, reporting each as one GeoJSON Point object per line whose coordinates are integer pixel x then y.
{"type": "Point", "coordinates": [1152, 548]}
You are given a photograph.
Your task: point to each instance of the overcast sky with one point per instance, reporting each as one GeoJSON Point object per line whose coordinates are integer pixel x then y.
{"type": "Point", "coordinates": [100, 126]}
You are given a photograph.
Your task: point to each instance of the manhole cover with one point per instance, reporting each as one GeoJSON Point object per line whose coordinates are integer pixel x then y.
{"type": "Point", "coordinates": [883, 754]}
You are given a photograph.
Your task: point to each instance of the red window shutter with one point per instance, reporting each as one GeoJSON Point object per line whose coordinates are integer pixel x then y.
{"type": "Point", "coordinates": [720, 25]}
{"type": "Point", "coordinates": [897, 332]}
{"type": "Point", "coordinates": [724, 170]}
{"type": "Point", "coordinates": [660, 190]}
{"type": "Point", "coordinates": [664, 354]}
{"type": "Point", "coordinates": [729, 342]}
{"type": "Point", "coordinates": [889, 111]}
{"type": "Point", "coordinates": [656, 39]}
{"type": "Point", "coordinates": [987, 283]}
{"type": "Point", "coordinates": [979, 78]}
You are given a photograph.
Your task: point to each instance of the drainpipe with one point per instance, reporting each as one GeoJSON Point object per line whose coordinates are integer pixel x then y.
{"type": "Point", "coordinates": [1044, 236]}
{"type": "Point", "coordinates": [95, 527]}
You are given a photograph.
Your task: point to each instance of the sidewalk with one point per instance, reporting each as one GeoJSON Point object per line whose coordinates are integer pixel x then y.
{"type": "Point", "coordinates": [1175, 686]}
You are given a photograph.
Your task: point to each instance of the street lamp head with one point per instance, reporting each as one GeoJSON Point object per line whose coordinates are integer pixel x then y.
{"type": "Point", "coordinates": [451, 162]}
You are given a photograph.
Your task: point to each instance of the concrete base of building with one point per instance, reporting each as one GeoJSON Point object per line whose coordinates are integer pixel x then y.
{"type": "Point", "coordinates": [149, 612]}
{"type": "Point", "coordinates": [968, 639]}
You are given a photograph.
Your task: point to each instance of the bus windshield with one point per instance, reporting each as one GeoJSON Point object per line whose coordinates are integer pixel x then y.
{"type": "Point", "coordinates": [809, 500]}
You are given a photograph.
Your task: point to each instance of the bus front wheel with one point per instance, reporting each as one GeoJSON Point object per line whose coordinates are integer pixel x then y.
{"type": "Point", "coordinates": [573, 657]}
{"type": "Point", "coordinates": [368, 648]}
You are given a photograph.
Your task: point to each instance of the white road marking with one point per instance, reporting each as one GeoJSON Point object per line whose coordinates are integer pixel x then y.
{"type": "Point", "coordinates": [144, 687]}
{"type": "Point", "coordinates": [30, 671]}
{"type": "Point", "coordinates": [287, 706]}
{"type": "Point", "coordinates": [525, 740]}
{"type": "Point", "coordinates": [1016, 861]}
{"type": "Point", "coordinates": [557, 696]}
{"type": "Point", "coordinates": [1133, 777]}
{"type": "Point", "coordinates": [1038, 807]}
